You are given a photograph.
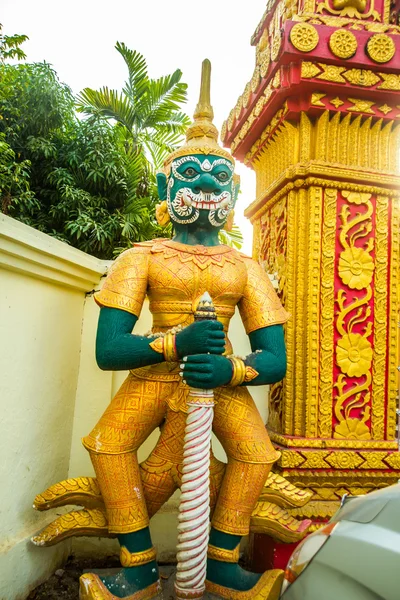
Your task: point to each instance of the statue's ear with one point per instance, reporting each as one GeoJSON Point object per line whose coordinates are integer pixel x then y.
{"type": "Point", "coordinates": [162, 186]}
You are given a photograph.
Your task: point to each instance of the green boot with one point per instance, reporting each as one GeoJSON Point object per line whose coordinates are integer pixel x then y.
{"type": "Point", "coordinates": [227, 579]}
{"type": "Point", "coordinates": [137, 580]}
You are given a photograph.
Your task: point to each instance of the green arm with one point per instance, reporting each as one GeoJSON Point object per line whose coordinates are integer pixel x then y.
{"type": "Point", "coordinates": [268, 359]}
{"type": "Point", "coordinates": [116, 348]}
{"type": "Point", "coordinates": [271, 361]}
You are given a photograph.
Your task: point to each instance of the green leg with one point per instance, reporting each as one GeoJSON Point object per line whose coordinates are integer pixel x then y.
{"type": "Point", "coordinates": [132, 579]}
{"type": "Point", "coordinates": [227, 574]}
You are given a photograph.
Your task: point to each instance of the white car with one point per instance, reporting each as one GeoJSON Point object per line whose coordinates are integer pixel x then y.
{"type": "Point", "coordinates": [356, 556]}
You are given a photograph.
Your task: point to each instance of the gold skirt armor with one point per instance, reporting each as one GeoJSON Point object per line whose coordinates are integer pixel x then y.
{"type": "Point", "coordinates": [143, 404]}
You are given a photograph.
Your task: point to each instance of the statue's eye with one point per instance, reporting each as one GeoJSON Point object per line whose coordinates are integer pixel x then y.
{"type": "Point", "coordinates": [189, 172]}
{"type": "Point", "coordinates": [223, 176]}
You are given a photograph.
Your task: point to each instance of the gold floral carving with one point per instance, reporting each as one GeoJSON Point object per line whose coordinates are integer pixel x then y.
{"type": "Point", "coordinates": [390, 81]}
{"type": "Point", "coordinates": [332, 73]}
{"type": "Point", "coordinates": [354, 355]}
{"type": "Point", "coordinates": [362, 77]}
{"type": "Point", "coordinates": [343, 43]}
{"type": "Point", "coordinates": [288, 408]}
{"type": "Point", "coordinates": [380, 318]}
{"type": "Point", "coordinates": [246, 95]}
{"type": "Point", "coordinates": [309, 70]}
{"type": "Point", "coordinates": [393, 460]}
{"type": "Point", "coordinates": [394, 319]}
{"type": "Point", "coordinates": [352, 429]}
{"type": "Point", "coordinates": [360, 105]}
{"type": "Point", "coordinates": [276, 44]}
{"type": "Point", "coordinates": [344, 460]}
{"type": "Point", "coordinates": [354, 351]}
{"type": "Point", "coordinates": [312, 349]}
{"type": "Point", "coordinates": [355, 9]}
{"type": "Point", "coordinates": [336, 102]}
{"type": "Point", "coordinates": [255, 80]}
{"type": "Point", "coordinates": [290, 459]}
{"type": "Point", "coordinates": [385, 109]}
{"type": "Point", "coordinates": [304, 37]}
{"type": "Point", "coordinates": [294, 442]}
{"type": "Point", "coordinates": [381, 48]}
{"type": "Point", "coordinates": [327, 314]}
{"type": "Point", "coordinates": [300, 310]}
{"type": "Point", "coordinates": [373, 460]}
{"type": "Point", "coordinates": [316, 99]}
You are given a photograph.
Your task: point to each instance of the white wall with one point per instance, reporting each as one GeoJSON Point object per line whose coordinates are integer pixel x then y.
{"type": "Point", "coordinates": [42, 294]}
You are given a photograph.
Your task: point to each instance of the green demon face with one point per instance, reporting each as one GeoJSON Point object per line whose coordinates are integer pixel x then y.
{"type": "Point", "coordinates": [199, 189]}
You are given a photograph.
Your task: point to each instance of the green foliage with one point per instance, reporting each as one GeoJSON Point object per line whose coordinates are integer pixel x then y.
{"type": "Point", "coordinates": [89, 182]}
{"type": "Point", "coordinates": [232, 238]}
{"type": "Point", "coordinates": [10, 46]}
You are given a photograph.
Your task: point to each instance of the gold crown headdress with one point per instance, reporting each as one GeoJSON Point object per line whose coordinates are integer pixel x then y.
{"type": "Point", "coordinates": [201, 135]}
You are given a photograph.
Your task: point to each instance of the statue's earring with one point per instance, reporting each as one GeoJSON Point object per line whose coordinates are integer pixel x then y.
{"type": "Point", "coordinates": [162, 214]}
{"type": "Point", "coordinates": [229, 222]}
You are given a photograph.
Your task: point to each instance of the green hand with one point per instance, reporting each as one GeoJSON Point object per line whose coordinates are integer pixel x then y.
{"type": "Point", "coordinates": [201, 337]}
{"type": "Point", "coordinates": [206, 371]}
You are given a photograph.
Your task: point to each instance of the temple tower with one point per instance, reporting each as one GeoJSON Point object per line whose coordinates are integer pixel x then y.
{"type": "Point", "coordinates": [319, 122]}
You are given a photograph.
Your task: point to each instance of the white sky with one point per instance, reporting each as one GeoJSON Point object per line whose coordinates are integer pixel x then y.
{"type": "Point", "coordinates": [78, 38]}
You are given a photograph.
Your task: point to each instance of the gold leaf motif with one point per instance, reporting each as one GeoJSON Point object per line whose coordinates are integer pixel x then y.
{"type": "Point", "coordinates": [290, 459]}
{"type": "Point", "coordinates": [385, 109]}
{"type": "Point", "coordinates": [336, 102]}
{"type": "Point", "coordinates": [343, 43]}
{"type": "Point", "coordinates": [238, 108]}
{"type": "Point", "coordinates": [393, 460]}
{"type": "Point", "coordinates": [373, 460]}
{"type": "Point", "coordinates": [224, 130]}
{"type": "Point", "coordinates": [356, 197]}
{"type": "Point", "coordinates": [361, 105]}
{"type": "Point", "coordinates": [276, 82]}
{"type": "Point", "coordinates": [332, 73]}
{"type": "Point", "coordinates": [352, 429]}
{"type": "Point", "coordinates": [361, 77]}
{"type": "Point", "coordinates": [231, 118]}
{"type": "Point", "coordinates": [276, 44]}
{"type": "Point", "coordinates": [255, 80]}
{"type": "Point", "coordinates": [354, 355]}
{"type": "Point", "coordinates": [344, 460]}
{"type": "Point", "coordinates": [315, 460]}
{"type": "Point", "coordinates": [304, 37]}
{"type": "Point", "coordinates": [316, 99]}
{"type": "Point", "coordinates": [390, 81]}
{"type": "Point", "coordinates": [309, 70]}
{"type": "Point", "coordinates": [246, 95]}
{"type": "Point", "coordinates": [381, 48]}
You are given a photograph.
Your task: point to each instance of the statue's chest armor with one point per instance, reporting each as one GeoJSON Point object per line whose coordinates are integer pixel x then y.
{"type": "Point", "coordinates": [177, 280]}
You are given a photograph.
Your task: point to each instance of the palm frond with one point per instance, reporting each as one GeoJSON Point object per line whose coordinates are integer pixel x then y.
{"type": "Point", "coordinates": [109, 104]}
{"type": "Point", "coordinates": [137, 82]}
{"type": "Point", "coordinates": [233, 238]}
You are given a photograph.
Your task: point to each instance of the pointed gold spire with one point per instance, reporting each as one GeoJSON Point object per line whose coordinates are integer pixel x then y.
{"type": "Point", "coordinates": [204, 109]}
{"type": "Point", "coordinates": [201, 135]}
